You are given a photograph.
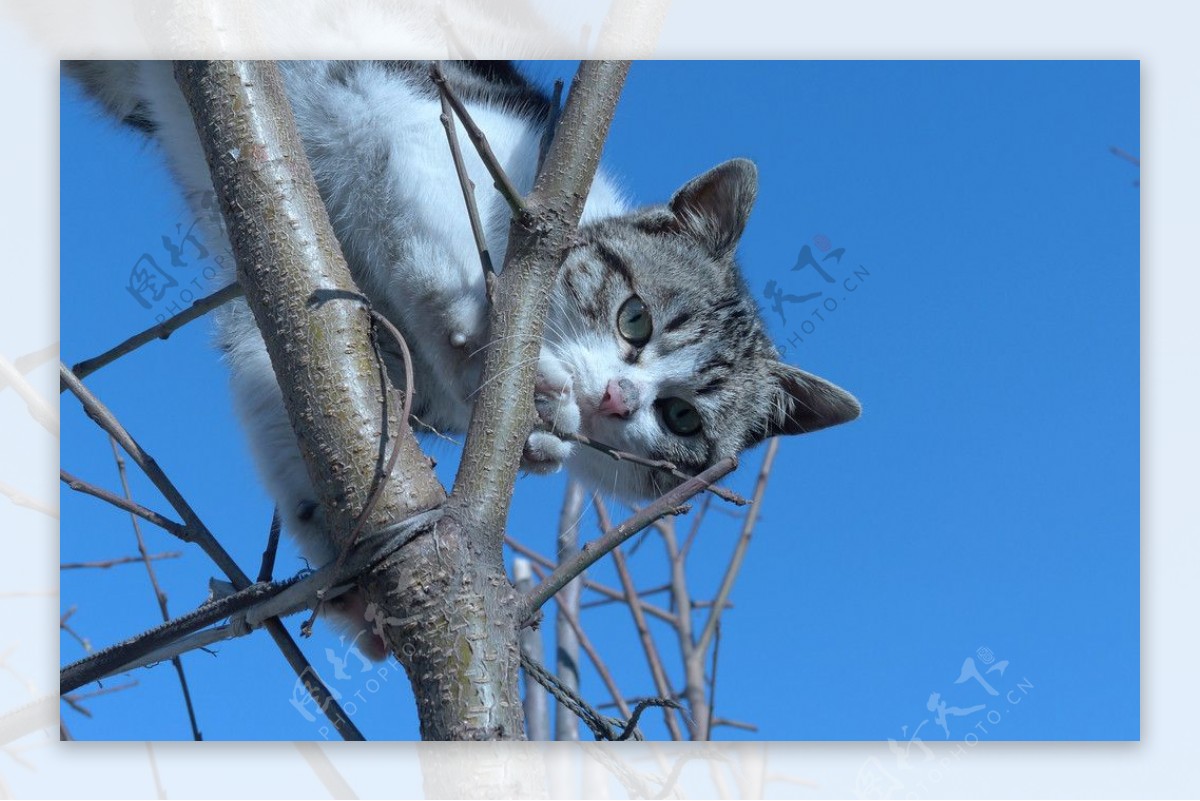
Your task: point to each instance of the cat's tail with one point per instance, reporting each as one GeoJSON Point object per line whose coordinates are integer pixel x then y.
{"type": "Point", "coordinates": [115, 85]}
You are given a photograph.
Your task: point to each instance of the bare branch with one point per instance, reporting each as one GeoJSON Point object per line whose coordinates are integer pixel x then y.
{"type": "Point", "coordinates": [104, 564]}
{"type": "Point", "coordinates": [267, 568]}
{"type": "Point", "coordinates": [551, 123]}
{"type": "Point", "coordinates": [502, 182]}
{"type": "Point", "coordinates": [161, 331]}
{"type": "Point", "coordinates": [159, 595]}
{"type": "Point", "coordinates": [62, 624]}
{"type": "Point", "coordinates": [194, 530]}
{"type": "Point", "coordinates": [739, 551]}
{"type": "Point", "coordinates": [588, 583]}
{"type": "Point", "coordinates": [149, 515]}
{"type": "Point", "coordinates": [566, 652]}
{"type": "Point", "coordinates": [661, 683]}
{"type": "Point", "coordinates": [598, 663]}
{"type": "Point", "coordinates": [537, 708]}
{"type": "Point", "coordinates": [464, 180]}
{"type": "Point", "coordinates": [693, 665]}
{"type": "Point", "coordinates": [657, 464]}
{"type": "Point", "coordinates": [612, 538]}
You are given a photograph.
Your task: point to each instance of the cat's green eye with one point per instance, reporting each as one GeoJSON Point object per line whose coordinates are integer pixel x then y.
{"type": "Point", "coordinates": [679, 416]}
{"type": "Point", "coordinates": [633, 322]}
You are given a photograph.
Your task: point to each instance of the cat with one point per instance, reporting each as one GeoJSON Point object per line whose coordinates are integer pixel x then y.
{"type": "Point", "coordinates": [653, 343]}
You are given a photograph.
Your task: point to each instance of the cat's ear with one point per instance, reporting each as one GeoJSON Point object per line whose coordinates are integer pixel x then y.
{"type": "Point", "coordinates": [714, 207]}
{"type": "Point", "coordinates": [806, 403]}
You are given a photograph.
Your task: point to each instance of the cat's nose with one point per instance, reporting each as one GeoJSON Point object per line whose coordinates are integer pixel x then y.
{"type": "Point", "coordinates": [615, 402]}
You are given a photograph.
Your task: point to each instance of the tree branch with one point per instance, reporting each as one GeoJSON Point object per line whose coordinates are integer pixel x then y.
{"type": "Point", "coordinates": [610, 594]}
{"type": "Point", "coordinates": [503, 185]}
{"type": "Point", "coordinates": [656, 464]}
{"type": "Point", "coordinates": [662, 684]}
{"type": "Point", "coordinates": [504, 416]}
{"type": "Point", "coordinates": [612, 538]}
{"type": "Point", "coordinates": [161, 331]}
{"type": "Point", "coordinates": [149, 515]}
{"type": "Point", "coordinates": [194, 530]}
{"type": "Point", "coordinates": [739, 551]}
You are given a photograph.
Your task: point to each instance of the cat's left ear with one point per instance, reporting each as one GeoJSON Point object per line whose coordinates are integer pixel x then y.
{"type": "Point", "coordinates": [806, 403]}
{"type": "Point", "coordinates": [715, 206]}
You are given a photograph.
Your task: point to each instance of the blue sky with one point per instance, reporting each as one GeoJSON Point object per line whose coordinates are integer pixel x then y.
{"type": "Point", "coordinates": [985, 507]}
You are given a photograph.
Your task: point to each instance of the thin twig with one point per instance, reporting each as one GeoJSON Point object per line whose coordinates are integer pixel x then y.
{"type": "Point", "coordinates": [381, 480]}
{"type": "Point", "coordinates": [588, 583]}
{"type": "Point", "coordinates": [536, 702]}
{"type": "Point", "coordinates": [267, 568]}
{"type": "Point", "coordinates": [643, 594]}
{"type": "Point", "coordinates": [712, 684]}
{"type": "Point", "coordinates": [657, 464]}
{"type": "Point", "coordinates": [465, 182]}
{"type": "Point", "coordinates": [697, 520]}
{"type": "Point", "coordinates": [149, 515]}
{"type": "Point", "coordinates": [661, 683]}
{"type": "Point", "coordinates": [75, 700]}
{"type": "Point", "coordinates": [595, 550]}
{"type": "Point", "coordinates": [566, 654]}
{"type": "Point", "coordinates": [739, 551]}
{"type": "Point", "coordinates": [693, 665]}
{"type": "Point", "coordinates": [104, 564]}
{"type": "Point", "coordinates": [502, 182]}
{"type": "Point", "coordinates": [161, 331]}
{"type": "Point", "coordinates": [159, 594]}
{"type": "Point", "coordinates": [598, 663]}
{"type": "Point", "coordinates": [247, 609]}
{"type": "Point", "coordinates": [62, 624]}
{"type": "Point", "coordinates": [194, 530]}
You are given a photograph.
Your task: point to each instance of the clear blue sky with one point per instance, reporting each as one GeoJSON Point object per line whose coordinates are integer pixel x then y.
{"type": "Point", "coordinates": [987, 499]}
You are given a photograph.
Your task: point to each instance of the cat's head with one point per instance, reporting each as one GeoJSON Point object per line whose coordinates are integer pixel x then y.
{"type": "Point", "coordinates": [660, 348]}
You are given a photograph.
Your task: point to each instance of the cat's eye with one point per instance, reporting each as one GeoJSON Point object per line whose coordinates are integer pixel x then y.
{"type": "Point", "coordinates": [633, 322]}
{"type": "Point", "coordinates": [679, 416]}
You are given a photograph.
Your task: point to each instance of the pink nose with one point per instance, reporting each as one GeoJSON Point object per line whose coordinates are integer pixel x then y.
{"type": "Point", "coordinates": [613, 403]}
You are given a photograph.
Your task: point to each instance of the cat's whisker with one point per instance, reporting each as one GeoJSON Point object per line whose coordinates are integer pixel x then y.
{"type": "Point", "coordinates": [502, 373]}
{"type": "Point", "coordinates": [492, 342]}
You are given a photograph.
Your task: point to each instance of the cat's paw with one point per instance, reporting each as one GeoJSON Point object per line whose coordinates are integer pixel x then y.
{"type": "Point", "coordinates": [554, 401]}
{"type": "Point", "coordinates": [544, 452]}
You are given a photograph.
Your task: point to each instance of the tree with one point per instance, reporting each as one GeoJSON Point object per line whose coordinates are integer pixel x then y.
{"type": "Point", "coordinates": [460, 637]}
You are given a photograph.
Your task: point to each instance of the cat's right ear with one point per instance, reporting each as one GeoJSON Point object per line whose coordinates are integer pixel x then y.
{"type": "Point", "coordinates": [805, 402]}
{"type": "Point", "coordinates": [714, 207]}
